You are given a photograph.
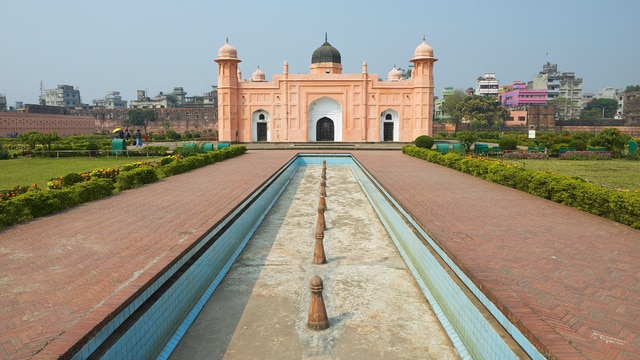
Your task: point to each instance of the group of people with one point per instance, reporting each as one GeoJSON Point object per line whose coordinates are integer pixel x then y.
{"type": "Point", "coordinates": [127, 136]}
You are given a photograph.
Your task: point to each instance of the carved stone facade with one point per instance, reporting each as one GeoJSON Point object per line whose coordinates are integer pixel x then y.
{"type": "Point", "coordinates": [325, 105]}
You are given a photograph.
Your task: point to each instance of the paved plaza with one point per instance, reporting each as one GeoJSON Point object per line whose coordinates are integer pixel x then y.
{"type": "Point", "coordinates": [570, 281]}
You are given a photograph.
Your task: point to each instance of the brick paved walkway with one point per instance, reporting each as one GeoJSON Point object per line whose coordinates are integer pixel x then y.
{"type": "Point", "coordinates": [570, 280]}
{"type": "Point", "coordinates": [61, 275]}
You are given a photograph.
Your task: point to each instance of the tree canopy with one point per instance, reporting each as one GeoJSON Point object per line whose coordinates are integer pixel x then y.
{"type": "Point", "coordinates": [563, 107]}
{"type": "Point", "coordinates": [485, 110]}
{"type": "Point", "coordinates": [610, 107]}
{"type": "Point", "coordinates": [613, 140]}
{"type": "Point", "coordinates": [140, 117]}
{"type": "Point", "coordinates": [449, 104]}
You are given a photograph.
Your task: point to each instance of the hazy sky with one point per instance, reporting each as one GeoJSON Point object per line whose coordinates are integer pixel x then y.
{"type": "Point", "coordinates": [157, 45]}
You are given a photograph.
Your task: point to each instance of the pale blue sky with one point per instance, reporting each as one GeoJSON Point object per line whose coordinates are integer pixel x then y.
{"type": "Point", "coordinates": [158, 45]}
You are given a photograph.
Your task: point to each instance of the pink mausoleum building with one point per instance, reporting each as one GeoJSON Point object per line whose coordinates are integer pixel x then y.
{"type": "Point", "coordinates": [325, 104]}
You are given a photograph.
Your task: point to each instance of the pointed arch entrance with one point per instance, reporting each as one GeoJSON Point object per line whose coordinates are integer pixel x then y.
{"type": "Point", "coordinates": [389, 130]}
{"type": "Point", "coordinates": [260, 126]}
{"type": "Point", "coordinates": [325, 120]}
{"type": "Point", "coordinates": [325, 130]}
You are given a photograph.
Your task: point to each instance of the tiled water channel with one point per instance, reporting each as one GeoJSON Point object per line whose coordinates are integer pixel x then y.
{"type": "Point", "coordinates": [155, 324]}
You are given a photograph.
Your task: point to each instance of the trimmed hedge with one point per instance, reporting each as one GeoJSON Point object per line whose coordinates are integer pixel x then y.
{"type": "Point", "coordinates": [623, 207]}
{"type": "Point", "coordinates": [36, 202]}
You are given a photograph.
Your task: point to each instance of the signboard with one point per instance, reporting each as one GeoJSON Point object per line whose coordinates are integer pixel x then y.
{"type": "Point", "coordinates": [532, 134]}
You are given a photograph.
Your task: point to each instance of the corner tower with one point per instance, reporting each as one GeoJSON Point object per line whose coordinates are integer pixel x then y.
{"type": "Point", "coordinates": [326, 59]}
{"type": "Point", "coordinates": [227, 93]}
{"type": "Point", "coordinates": [423, 88]}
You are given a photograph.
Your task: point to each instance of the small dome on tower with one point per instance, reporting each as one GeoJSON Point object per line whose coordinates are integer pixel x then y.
{"type": "Point", "coordinates": [394, 75]}
{"type": "Point", "coordinates": [227, 51]}
{"type": "Point", "coordinates": [326, 54]}
{"type": "Point", "coordinates": [258, 75]}
{"type": "Point", "coordinates": [423, 51]}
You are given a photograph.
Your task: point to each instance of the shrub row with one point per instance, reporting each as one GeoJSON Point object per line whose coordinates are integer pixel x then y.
{"type": "Point", "coordinates": [36, 202]}
{"type": "Point", "coordinates": [623, 207]}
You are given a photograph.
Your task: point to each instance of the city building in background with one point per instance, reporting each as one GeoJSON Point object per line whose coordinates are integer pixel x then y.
{"type": "Point", "coordinates": [548, 79]}
{"type": "Point", "coordinates": [439, 115]}
{"type": "Point", "coordinates": [560, 85]}
{"type": "Point", "coordinates": [172, 100]}
{"type": "Point", "coordinates": [112, 100]}
{"type": "Point", "coordinates": [62, 96]}
{"type": "Point", "coordinates": [615, 94]}
{"type": "Point", "coordinates": [487, 85]}
{"type": "Point", "coordinates": [519, 96]}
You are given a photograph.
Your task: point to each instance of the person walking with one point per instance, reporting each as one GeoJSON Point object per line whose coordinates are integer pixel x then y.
{"type": "Point", "coordinates": [138, 138]}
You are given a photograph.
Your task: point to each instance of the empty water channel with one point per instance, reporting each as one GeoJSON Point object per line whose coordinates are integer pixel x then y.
{"type": "Point", "coordinates": [243, 291]}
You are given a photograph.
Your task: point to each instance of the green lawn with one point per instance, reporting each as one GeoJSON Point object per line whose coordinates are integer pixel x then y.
{"type": "Point", "coordinates": [617, 174]}
{"type": "Point", "coordinates": [622, 174]}
{"type": "Point", "coordinates": [27, 171]}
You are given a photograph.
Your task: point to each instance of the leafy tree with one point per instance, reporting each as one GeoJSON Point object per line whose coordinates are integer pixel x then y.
{"type": "Point", "coordinates": [449, 104]}
{"type": "Point", "coordinates": [140, 117]}
{"type": "Point", "coordinates": [485, 109]}
{"type": "Point", "coordinates": [468, 138]}
{"type": "Point", "coordinates": [590, 114]}
{"type": "Point", "coordinates": [563, 107]}
{"type": "Point", "coordinates": [613, 140]}
{"type": "Point", "coordinates": [632, 88]}
{"type": "Point", "coordinates": [610, 106]}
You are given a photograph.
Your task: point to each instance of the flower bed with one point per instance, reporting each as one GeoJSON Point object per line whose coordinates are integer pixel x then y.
{"type": "Point", "coordinates": [586, 155]}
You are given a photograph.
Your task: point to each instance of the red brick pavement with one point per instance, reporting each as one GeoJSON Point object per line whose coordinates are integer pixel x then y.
{"type": "Point", "coordinates": [568, 279]}
{"type": "Point", "coordinates": [61, 275]}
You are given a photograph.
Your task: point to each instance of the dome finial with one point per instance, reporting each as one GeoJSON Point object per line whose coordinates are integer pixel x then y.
{"type": "Point", "coordinates": [325, 37]}
{"type": "Point", "coordinates": [227, 40]}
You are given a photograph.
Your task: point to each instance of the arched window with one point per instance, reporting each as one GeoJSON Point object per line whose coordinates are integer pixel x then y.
{"type": "Point", "coordinates": [388, 117]}
{"type": "Point", "coordinates": [261, 117]}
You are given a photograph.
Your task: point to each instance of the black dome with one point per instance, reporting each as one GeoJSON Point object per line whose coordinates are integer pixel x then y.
{"type": "Point", "coordinates": [326, 54]}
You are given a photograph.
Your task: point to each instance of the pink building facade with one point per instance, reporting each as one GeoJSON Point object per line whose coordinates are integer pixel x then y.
{"type": "Point", "coordinates": [521, 96]}
{"type": "Point", "coordinates": [325, 104]}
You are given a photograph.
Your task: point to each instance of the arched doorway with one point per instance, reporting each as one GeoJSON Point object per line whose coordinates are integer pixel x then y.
{"type": "Point", "coordinates": [260, 126]}
{"type": "Point", "coordinates": [325, 115]}
{"type": "Point", "coordinates": [387, 130]}
{"type": "Point", "coordinates": [261, 130]}
{"type": "Point", "coordinates": [389, 125]}
{"type": "Point", "coordinates": [325, 130]}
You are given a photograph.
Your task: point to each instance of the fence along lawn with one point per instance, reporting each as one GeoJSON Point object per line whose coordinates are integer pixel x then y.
{"type": "Point", "coordinates": [27, 171]}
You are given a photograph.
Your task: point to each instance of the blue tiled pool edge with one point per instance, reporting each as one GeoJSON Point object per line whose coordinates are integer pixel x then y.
{"type": "Point", "coordinates": [153, 324]}
{"type": "Point", "coordinates": [472, 335]}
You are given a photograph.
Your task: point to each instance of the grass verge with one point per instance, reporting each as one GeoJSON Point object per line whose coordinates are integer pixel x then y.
{"type": "Point", "coordinates": [28, 171]}
{"type": "Point", "coordinates": [614, 174]}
